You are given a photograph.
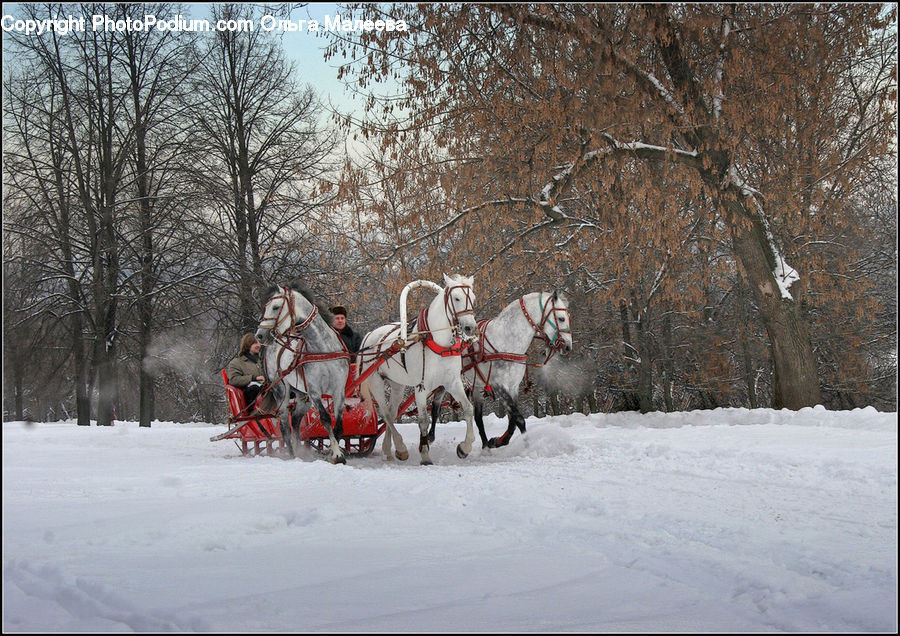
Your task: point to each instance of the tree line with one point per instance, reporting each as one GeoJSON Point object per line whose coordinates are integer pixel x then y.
{"type": "Point", "coordinates": [712, 185]}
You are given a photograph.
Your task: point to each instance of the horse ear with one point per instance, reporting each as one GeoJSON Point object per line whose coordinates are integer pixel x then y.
{"type": "Point", "coordinates": [263, 293]}
{"type": "Point", "coordinates": [555, 294]}
{"type": "Point", "coordinates": [447, 281]}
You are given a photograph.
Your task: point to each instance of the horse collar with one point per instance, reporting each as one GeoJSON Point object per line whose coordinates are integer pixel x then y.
{"type": "Point", "coordinates": [455, 348]}
{"type": "Point", "coordinates": [306, 323]}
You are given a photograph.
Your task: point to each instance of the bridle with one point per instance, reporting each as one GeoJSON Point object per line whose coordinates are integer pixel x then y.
{"type": "Point", "coordinates": [453, 315]}
{"type": "Point", "coordinates": [288, 298]}
{"type": "Point", "coordinates": [292, 339]}
{"type": "Point", "coordinates": [550, 313]}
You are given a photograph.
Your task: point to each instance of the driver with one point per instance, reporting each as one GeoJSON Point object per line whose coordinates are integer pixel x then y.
{"type": "Point", "coordinates": [351, 339]}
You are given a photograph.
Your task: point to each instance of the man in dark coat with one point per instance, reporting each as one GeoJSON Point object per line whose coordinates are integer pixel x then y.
{"type": "Point", "coordinates": [351, 339]}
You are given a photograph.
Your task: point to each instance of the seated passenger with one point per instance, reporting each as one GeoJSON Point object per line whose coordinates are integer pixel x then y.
{"type": "Point", "coordinates": [245, 371]}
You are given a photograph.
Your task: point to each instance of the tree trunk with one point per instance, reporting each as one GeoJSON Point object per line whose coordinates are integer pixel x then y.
{"type": "Point", "coordinates": [80, 364]}
{"type": "Point", "coordinates": [743, 318]}
{"type": "Point", "coordinates": [668, 366]}
{"type": "Point", "coordinates": [80, 361]}
{"type": "Point", "coordinates": [19, 390]}
{"type": "Point", "coordinates": [796, 383]}
{"type": "Point", "coordinates": [147, 282]}
{"type": "Point", "coordinates": [107, 306]}
{"type": "Point", "coordinates": [554, 403]}
{"type": "Point", "coordinates": [645, 367]}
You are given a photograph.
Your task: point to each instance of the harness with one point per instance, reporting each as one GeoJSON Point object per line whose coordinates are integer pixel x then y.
{"type": "Point", "coordinates": [456, 347]}
{"type": "Point", "coordinates": [425, 335]}
{"type": "Point", "coordinates": [486, 352]}
{"type": "Point", "coordinates": [292, 340]}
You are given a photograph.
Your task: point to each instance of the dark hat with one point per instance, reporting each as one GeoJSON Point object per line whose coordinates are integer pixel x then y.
{"type": "Point", "coordinates": [339, 309]}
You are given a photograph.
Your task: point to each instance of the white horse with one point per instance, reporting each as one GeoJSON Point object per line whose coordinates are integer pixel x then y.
{"type": "Point", "coordinates": [496, 362]}
{"type": "Point", "coordinates": [306, 355]}
{"type": "Point", "coordinates": [431, 360]}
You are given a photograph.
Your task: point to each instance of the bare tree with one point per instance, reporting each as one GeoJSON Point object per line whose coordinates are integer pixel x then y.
{"type": "Point", "coordinates": [93, 146]}
{"type": "Point", "coordinates": [260, 151]}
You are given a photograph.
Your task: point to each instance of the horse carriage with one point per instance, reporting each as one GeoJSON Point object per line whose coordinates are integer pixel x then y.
{"type": "Point", "coordinates": [302, 352]}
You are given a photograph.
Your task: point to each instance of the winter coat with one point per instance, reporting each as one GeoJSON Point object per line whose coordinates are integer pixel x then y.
{"type": "Point", "coordinates": [352, 340]}
{"type": "Point", "coordinates": [243, 370]}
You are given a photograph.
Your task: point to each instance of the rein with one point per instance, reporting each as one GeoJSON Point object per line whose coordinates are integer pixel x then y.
{"type": "Point", "coordinates": [294, 335]}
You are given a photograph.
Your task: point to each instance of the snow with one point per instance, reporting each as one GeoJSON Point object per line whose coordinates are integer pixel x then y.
{"type": "Point", "coordinates": [784, 274]}
{"type": "Point", "coordinates": [723, 520]}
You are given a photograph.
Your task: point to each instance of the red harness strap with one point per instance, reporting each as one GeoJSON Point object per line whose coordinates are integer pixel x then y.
{"type": "Point", "coordinates": [486, 352]}
{"type": "Point", "coordinates": [456, 347]}
{"type": "Point", "coordinates": [301, 355]}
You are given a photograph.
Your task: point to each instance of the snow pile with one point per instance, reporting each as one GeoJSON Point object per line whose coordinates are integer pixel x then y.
{"type": "Point", "coordinates": [723, 520]}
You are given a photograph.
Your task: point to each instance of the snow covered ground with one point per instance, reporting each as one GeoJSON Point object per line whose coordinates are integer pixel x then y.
{"type": "Point", "coordinates": [725, 520]}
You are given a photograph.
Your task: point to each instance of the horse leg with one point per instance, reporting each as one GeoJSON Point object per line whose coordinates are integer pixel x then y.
{"type": "Point", "coordinates": [337, 455]}
{"type": "Point", "coordinates": [514, 417]}
{"type": "Point", "coordinates": [284, 422]}
{"type": "Point", "coordinates": [374, 388]}
{"type": "Point", "coordinates": [400, 450]}
{"type": "Point", "coordinates": [422, 408]}
{"type": "Point", "coordinates": [478, 409]}
{"type": "Point", "coordinates": [458, 392]}
{"type": "Point", "coordinates": [435, 412]}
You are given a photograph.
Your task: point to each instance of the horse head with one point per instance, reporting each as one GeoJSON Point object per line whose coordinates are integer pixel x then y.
{"type": "Point", "coordinates": [561, 322]}
{"type": "Point", "coordinates": [283, 308]}
{"type": "Point", "coordinates": [459, 301]}
{"type": "Point", "coordinates": [551, 321]}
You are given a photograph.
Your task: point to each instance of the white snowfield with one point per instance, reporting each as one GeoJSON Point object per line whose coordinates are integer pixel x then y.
{"type": "Point", "coordinates": [724, 520]}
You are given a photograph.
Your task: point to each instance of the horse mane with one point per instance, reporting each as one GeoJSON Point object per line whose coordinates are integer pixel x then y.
{"type": "Point", "coordinates": [558, 293]}
{"type": "Point", "coordinates": [264, 293]}
{"type": "Point", "coordinates": [299, 286]}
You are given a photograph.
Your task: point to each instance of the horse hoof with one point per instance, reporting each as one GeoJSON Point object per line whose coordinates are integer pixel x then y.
{"type": "Point", "coordinates": [492, 443]}
{"type": "Point", "coordinates": [402, 455]}
{"type": "Point", "coordinates": [340, 459]}
{"type": "Point", "coordinates": [427, 462]}
{"type": "Point", "coordinates": [460, 452]}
